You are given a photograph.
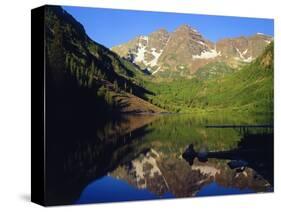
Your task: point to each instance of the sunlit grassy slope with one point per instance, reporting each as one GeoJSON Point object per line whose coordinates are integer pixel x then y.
{"type": "Point", "coordinates": [249, 89]}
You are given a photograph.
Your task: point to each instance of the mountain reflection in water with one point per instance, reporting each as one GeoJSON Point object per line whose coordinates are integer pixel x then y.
{"type": "Point", "coordinates": [140, 157]}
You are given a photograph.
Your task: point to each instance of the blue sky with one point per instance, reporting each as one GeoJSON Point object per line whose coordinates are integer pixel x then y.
{"type": "Point", "coordinates": [112, 27]}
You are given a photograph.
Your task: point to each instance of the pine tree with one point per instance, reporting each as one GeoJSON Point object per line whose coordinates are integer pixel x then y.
{"type": "Point", "coordinates": [67, 63]}
{"type": "Point", "coordinates": [90, 81]}
{"type": "Point", "coordinates": [115, 85]}
{"type": "Point", "coordinates": [125, 86]}
{"type": "Point", "coordinates": [93, 68]}
{"type": "Point", "coordinates": [108, 98]}
{"type": "Point", "coordinates": [99, 74]}
{"type": "Point", "coordinates": [101, 91]}
{"type": "Point", "coordinates": [77, 73]}
{"type": "Point", "coordinates": [71, 65]}
{"type": "Point", "coordinates": [57, 55]}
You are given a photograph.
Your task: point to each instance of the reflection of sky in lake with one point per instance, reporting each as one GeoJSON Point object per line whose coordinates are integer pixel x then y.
{"type": "Point", "coordinates": [215, 189]}
{"type": "Point", "coordinates": [110, 189]}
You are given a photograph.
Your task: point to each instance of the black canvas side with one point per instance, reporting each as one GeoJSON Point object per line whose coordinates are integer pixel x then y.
{"type": "Point", "coordinates": [37, 106]}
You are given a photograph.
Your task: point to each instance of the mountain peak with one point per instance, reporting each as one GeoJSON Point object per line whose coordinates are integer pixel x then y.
{"type": "Point", "coordinates": [160, 32]}
{"type": "Point", "coordinates": [187, 30]}
{"type": "Point", "coordinates": [183, 27]}
{"type": "Point", "coordinates": [186, 49]}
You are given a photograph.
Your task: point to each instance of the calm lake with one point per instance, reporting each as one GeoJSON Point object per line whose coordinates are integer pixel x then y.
{"type": "Point", "coordinates": [141, 157]}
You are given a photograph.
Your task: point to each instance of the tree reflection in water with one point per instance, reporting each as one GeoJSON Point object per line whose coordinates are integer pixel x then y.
{"type": "Point", "coordinates": [254, 151]}
{"type": "Point", "coordinates": [145, 152]}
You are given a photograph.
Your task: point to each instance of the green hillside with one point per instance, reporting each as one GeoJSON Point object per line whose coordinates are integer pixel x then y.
{"type": "Point", "coordinates": [248, 89]}
{"type": "Point", "coordinates": [213, 70]}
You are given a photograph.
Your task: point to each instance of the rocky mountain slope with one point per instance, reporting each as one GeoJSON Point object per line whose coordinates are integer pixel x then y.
{"type": "Point", "coordinates": [185, 50]}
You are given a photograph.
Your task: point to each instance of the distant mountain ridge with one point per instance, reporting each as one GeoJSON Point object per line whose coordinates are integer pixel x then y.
{"type": "Point", "coordinates": [186, 50]}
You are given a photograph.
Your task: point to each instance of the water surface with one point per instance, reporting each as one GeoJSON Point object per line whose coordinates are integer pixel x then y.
{"type": "Point", "coordinates": [140, 158]}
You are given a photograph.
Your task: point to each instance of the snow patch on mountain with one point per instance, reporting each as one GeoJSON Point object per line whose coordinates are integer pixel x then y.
{"type": "Point", "coordinates": [249, 59]}
{"type": "Point", "coordinates": [181, 67]}
{"type": "Point", "coordinates": [200, 42]}
{"type": "Point", "coordinates": [194, 30]}
{"type": "Point", "coordinates": [245, 52]}
{"type": "Point", "coordinates": [142, 37]}
{"type": "Point", "coordinates": [154, 72]}
{"type": "Point", "coordinates": [140, 54]}
{"type": "Point", "coordinates": [246, 60]}
{"type": "Point", "coordinates": [156, 55]}
{"type": "Point", "coordinates": [242, 56]}
{"type": "Point", "coordinates": [207, 54]}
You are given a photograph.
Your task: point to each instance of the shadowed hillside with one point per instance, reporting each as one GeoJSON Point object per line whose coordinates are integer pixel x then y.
{"type": "Point", "coordinates": [84, 75]}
